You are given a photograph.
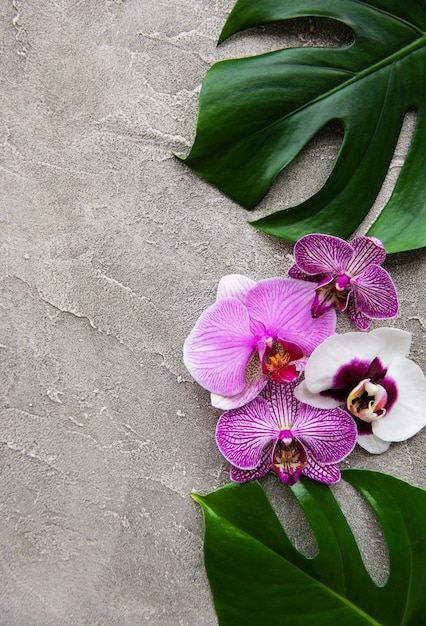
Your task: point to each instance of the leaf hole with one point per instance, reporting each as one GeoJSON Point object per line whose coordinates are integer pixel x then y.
{"type": "Point", "coordinates": [307, 172]}
{"type": "Point", "coordinates": [366, 529]}
{"type": "Point", "coordinates": [401, 150]}
{"type": "Point", "coordinates": [291, 516]}
{"type": "Point", "coordinates": [301, 32]}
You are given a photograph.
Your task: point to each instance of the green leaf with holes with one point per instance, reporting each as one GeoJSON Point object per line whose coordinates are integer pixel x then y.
{"type": "Point", "coordinates": [258, 577]}
{"type": "Point", "coordinates": [256, 114]}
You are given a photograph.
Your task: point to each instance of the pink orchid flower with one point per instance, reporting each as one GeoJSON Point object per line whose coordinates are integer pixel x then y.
{"type": "Point", "coordinates": [372, 378]}
{"type": "Point", "coordinates": [277, 432]}
{"type": "Point", "coordinates": [349, 276]}
{"type": "Point", "coordinates": [253, 333]}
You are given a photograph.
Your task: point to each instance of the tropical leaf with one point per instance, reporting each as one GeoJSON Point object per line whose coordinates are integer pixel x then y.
{"type": "Point", "coordinates": [257, 113]}
{"type": "Point", "coordinates": [258, 577]}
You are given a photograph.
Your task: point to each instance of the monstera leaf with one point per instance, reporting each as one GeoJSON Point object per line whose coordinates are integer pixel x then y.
{"type": "Point", "coordinates": [258, 577]}
{"type": "Point", "coordinates": [257, 113]}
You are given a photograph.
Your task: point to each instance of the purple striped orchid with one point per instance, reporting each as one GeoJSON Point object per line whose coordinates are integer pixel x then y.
{"type": "Point", "coordinates": [253, 333]}
{"type": "Point", "coordinates": [349, 277]}
{"type": "Point", "coordinates": [277, 432]}
{"type": "Point", "coordinates": [372, 378]}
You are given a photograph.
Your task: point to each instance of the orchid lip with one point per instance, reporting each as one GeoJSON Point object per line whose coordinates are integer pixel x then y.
{"type": "Point", "coordinates": [331, 292]}
{"type": "Point", "coordinates": [277, 361]}
{"type": "Point", "coordinates": [289, 458]}
{"type": "Point", "coordinates": [367, 401]}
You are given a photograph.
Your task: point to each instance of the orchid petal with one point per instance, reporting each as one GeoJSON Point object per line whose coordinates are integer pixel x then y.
{"type": "Point", "coordinates": [322, 473]}
{"type": "Point", "coordinates": [250, 391]}
{"type": "Point", "coordinates": [241, 476]}
{"type": "Point", "coordinates": [303, 394]}
{"type": "Point", "coordinates": [408, 415]}
{"type": "Point", "coordinates": [336, 351]}
{"type": "Point", "coordinates": [243, 434]}
{"type": "Point", "coordinates": [375, 293]}
{"type": "Point", "coordinates": [367, 251]}
{"type": "Point", "coordinates": [316, 254]}
{"type": "Point", "coordinates": [296, 273]}
{"type": "Point", "coordinates": [219, 347]}
{"type": "Point", "coordinates": [395, 342]}
{"type": "Point", "coordinates": [357, 318]}
{"type": "Point", "coordinates": [283, 406]}
{"type": "Point", "coordinates": [327, 296]}
{"type": "Point", "coordinates": [373, 444]}
{"type": "Point", "coordinates": [234, 286]}
{"type": "Point", "coordinates": [329, 436]}
{"type": "Point", "coordinates": [283, 305]}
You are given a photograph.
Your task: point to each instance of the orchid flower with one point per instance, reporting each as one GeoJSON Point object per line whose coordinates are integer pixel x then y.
{"type": "Point", "coordinates": [371, 376]}
{"type": "Point", "coordinates": [349, 277]}
{"type": "Point", "coordinates": [277, 432]}
{"type": "Point", "coordinates": [253, 333]}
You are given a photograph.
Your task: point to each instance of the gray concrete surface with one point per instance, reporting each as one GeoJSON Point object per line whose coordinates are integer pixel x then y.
{"type": "Point", "coordinates": [110, 249]}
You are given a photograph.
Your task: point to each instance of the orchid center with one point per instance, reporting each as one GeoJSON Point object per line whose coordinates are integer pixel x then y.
{"type": "Point", "coordinates": [278, 360]}
{"type": "Point", "coordinates": [367, 401]}
{"type": "Point", "coordinates": [289, 458]}
{"type": "Point", "coordinates": [333, 291]}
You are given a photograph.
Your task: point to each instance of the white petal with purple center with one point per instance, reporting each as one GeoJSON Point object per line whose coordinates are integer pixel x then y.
{"type": "Point", "coordinates": [408, 415]}
{"type": "Point", "coordinates": [335, 352]}
{"type": "Point", "coordinates": [303, 394]}
{"type": "Point", "coordinates": [395, 342]}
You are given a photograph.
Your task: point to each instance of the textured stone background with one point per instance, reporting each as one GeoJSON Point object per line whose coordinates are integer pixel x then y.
{"type": "Point", "coordinates": [110, 249]}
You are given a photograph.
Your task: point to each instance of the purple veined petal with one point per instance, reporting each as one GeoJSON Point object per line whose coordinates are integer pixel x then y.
{"type": "Point", "coordinates": [336, 351]}
{"type": "Point", "coordinates": [241, 476]}
{"type": "Point", "coordinates": [407, 415]}
{"type": "Point", "coordinates": [357, 318]}
{"type": "Point", "coordinates": [329, 435]}
{"type": "Point", "coordinates": [373, 444]}
{"type": "Point", "coordinates": [234, 286]}
{"type": "Point", "coordinates": [322, 473]}
{"type": "Point", "coordinates": [303, 394]}
{"type": "Point", "coordinates": [289, 470]}
{"type": "Point", "coordinates": [395, 342]}
{"type": "Point", "coordinates": [317, 254]}
{"type": "Point", "coordinates": [283, 305]}
{"type": "Point", "coordinates": [243, 434]}
{"type": "Point", "coordinates": [367, 251]}
{"type": "Point", "coordinates": [375, 294]}
{"type": "Point", "coordinates": [283, 406]}
{"type": "Point", "coordinates": [219, 347]}
{"type": "Point", "coordinates": [296, 273]}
